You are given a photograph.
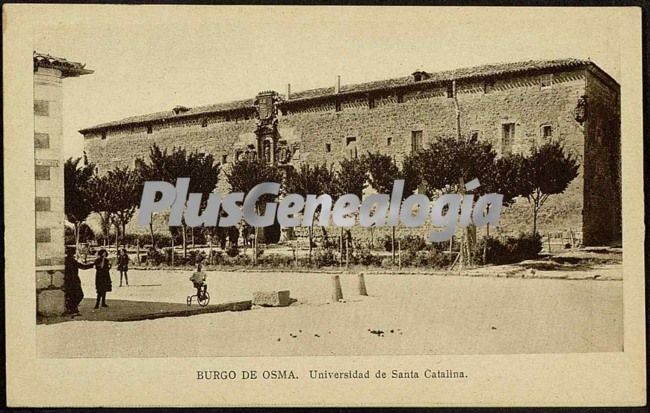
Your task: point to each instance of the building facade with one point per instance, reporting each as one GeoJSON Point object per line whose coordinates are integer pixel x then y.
{"type": "Point", "coordinates": [514, 106]}
{"type": "Point", "coordinates": [49, 73]}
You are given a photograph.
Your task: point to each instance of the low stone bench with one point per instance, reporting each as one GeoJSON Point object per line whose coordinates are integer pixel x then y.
{"type": "Point", "coordinates": [272, 298]}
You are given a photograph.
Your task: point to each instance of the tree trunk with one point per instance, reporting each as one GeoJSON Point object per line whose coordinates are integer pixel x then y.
{"type": "Point", "coordinates": [184, 242]}
{"type": "Point", "coordinates": [123, 233]}
{"type": "Point", "coordinates": [192, 233]}
{"type": "Point", "coordinates": [535, 218]}
{"type": "Point", "coordinates": [311, 234]}
{"type": "Point", "coordinates": [76, 239]}
{"type": "Point", "coordinates": [153, 240]}
{"type": "Point", "coordinates": [392, 243]}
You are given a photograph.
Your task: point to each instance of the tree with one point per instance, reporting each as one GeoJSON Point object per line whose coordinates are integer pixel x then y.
{"type": "Point", "coordinates": [76, 191]}
{"type": "Point", "coordinates": [448, 164]}
{"type": "Point", "coordinates": [548, 171]}
{"type": "Point", "coordinates": [99, 195]}
{"type": "Point", "coordinates": [124, 196]}
{"type": "Point", "coordinates": [317, 179]}
{"type": "Point", "coordinates": [166, 166]}
{"type": "Point", "coordinates": [351, 178]}
{"type": "Point", "coordinates": [245, 174]}
{"type": "Point", "coordinates": [383, 171]}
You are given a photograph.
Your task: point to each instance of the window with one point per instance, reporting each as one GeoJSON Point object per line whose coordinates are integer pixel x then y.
{"type": "Point", "coordinates": [547, 131]}
{"type": "Point", "coordinates": [42, 108]}
{"type": "Point", "coordinates": [42, 172]}
{"type": "Point", "coordinates": [328, 147]}
{"type": "Point", "coordinates": [371, 102]}
{"type": "Point", "coordinates": [488, 86]}
{"type": "Point", "coordinates": [508, 137]}
{"type": "Point", "coordinates": [204, 123]}
{"type": "Point", "coordinates": [149, 129]}
{"type": "Point", "coordinates": [43, 235]}
{"type": "Point", "coordinates": [546, 81]}
{"type": "Point", "coordinates": [351, 146]}
{"type": "Point", "coordinates": [389, 141]}
{"type": "Point", "coordinates": [43, 203]}
{"type": "Point", "coordinates": [416, 140]}
{"type": "Point", "coordinates": [224, 159]}
{"type": "Point", "coordinates": [41, 140]}
{"type": "Point", "coordinates": [450, 90]}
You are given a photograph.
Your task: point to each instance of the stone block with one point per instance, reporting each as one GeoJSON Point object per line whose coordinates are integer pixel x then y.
{"type": "Point", "coordinates": [57, 279]}
{"type": "Point", "coordinates": [43, 279]}
{"type": "Point", "coordinates": [271, 298]}
{"type": "Point", "coordinates": [50, 302]}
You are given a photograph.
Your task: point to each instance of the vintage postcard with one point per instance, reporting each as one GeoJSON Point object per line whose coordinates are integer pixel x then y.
{"type": "Point", "coordinates": [323, 206]}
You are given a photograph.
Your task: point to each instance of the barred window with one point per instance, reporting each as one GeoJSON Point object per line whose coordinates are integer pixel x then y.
{"type": "Point", "coordinates": [416, 140]}
{"type": "Point", "coordinates": [507, 138]}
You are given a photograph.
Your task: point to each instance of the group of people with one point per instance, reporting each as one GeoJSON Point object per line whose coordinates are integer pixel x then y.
{"type": "Point", "coordinates": [103, 284]}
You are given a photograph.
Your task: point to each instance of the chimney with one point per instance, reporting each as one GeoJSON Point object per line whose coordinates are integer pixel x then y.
{"type": "Point", "coordinates": [288, 91]}
{"type": "Point", "coordinates": [337, 89]}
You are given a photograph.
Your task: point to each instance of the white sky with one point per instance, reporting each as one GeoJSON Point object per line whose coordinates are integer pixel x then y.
{"type": "Point", "coordinates": [152, 58]}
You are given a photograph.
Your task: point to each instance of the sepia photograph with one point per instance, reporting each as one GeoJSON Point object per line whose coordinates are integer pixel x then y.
{"type": "Point", "coordinates": [274, 183]}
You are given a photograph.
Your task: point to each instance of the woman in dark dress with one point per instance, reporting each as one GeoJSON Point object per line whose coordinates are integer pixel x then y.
{"type": "Point", "coordinates": [71, 282]}
{"type": "Point", "coordinates": [102, 277]}
{"type": "Point", "coordinates": [123, 265]}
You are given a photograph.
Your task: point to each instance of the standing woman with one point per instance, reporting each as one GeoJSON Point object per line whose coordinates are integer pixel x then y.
{"type": "Point", "coordinates": [102, 277]}
{"type": "Point", "coordinates": [123, 265]}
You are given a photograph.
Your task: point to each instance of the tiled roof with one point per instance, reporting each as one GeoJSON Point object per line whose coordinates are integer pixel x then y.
{"type": "Point", "coordinates": [491, 70]}
{"type": "Point", "coordinates": [68, 68]}
{"type": "Point", "coordinates": [170, 114]}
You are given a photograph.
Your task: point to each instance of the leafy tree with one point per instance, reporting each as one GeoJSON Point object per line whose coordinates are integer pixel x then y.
{"type": "Point", "coordinates": [245, 174]}
{"type": "Point", "coordinates": [317, 179]}
{"type": "Point", "coordinates": [548, 171]}
{"type": "Point", "coordinates": [168, 166]}
{"type": "Point", "coordinates": [77, 198]}
{"type": "Point", "coordinates": [123, 196]}
{"type": "Point", "coordinates": [449, 161]}
{"type": "Point", "coordinates": [99, 195]}
{"type": "Point", "coordinates": [351, 178]}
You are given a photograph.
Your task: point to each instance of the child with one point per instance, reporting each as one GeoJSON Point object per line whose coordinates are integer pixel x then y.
{"type": "Point", "coordinates": [123, 265]}
{"type": "Point", "coordinates": [198, 279]}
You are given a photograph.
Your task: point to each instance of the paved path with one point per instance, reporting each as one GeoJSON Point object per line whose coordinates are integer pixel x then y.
{"type": "Point", "coordinates": [128, 310]}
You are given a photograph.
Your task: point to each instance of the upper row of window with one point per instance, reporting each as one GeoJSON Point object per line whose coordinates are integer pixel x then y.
{"type": "Point", "coordinates": [417, 142]}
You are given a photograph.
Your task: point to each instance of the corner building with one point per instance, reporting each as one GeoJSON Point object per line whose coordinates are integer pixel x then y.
{"type": "Point", "coordinates": [49, 72]}
{"type": "Point", "coordinates": [513, 106]}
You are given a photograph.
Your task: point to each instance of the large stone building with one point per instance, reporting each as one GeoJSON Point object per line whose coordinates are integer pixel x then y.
{"type": "Point", "coordinates": [49, 73]}
{"type": "Point", "coordinates": [514, 106]}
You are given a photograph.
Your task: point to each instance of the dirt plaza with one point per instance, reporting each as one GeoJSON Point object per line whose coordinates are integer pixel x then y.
{"type": "Point", "coordinates": [493, 310]}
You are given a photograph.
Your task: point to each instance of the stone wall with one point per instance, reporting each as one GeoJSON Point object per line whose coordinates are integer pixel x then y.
{"type": "Point", "coordinates": [602, 188]}
{"type": "Point", "coordinates": [329, 129]}
{"type": "Point", "coordinates": [49, 191]}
